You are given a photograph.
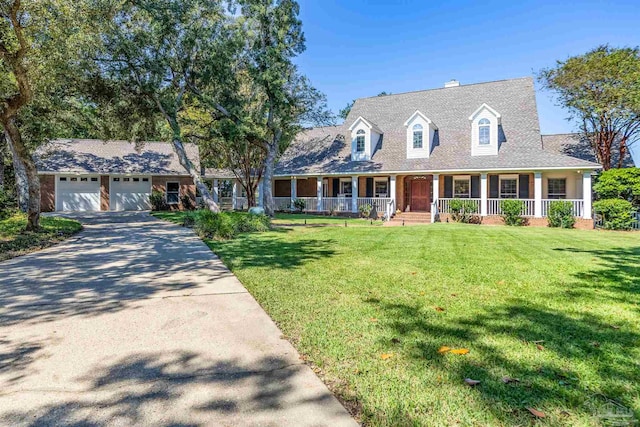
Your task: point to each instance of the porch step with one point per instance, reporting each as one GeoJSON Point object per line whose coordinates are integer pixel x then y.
{"type": "Point", "coordinates": [410, 218]}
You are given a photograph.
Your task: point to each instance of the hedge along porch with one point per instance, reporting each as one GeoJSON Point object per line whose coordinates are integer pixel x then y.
{"type": "Point", "coordinates": [432, 192]}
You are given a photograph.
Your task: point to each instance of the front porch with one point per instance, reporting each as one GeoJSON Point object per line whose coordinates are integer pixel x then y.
{"type": "Point", "coordinates": [432, 193]}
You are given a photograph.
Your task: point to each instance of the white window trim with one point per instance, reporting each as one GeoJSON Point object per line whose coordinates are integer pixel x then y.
{"type": "Point", "coordinates": [361, 134]}
{"type": "Point", "coordinates": [549, 193]}
{"type": "Point", "coordinates": [466, 178]}
{"type": "Point", "coordinates": [166, 192]}
{"type": "Point", "coordinates": [508, 178]}
{"type": "Point", "coordinates": [386, 181]}
{"type": "Point", "coordinates": [340, 188]}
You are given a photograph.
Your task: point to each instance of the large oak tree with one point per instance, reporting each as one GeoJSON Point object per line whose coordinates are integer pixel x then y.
{"type": "Point", "coordinates": [601, 90]}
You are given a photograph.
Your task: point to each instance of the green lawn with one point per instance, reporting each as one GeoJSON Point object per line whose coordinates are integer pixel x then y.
{"type": "Point", "coordinates": [285, 219]}
{"type": "Point", "coordinates": [345, 297]}
{"type": "Point", "coordinates": [14, 241]}
{"type": "Point", "coordinates": [556, 309]}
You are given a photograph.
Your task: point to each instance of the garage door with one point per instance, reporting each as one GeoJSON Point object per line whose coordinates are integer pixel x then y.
{"type": "Point", "coordinates": [78, 193]}
{"type": "Point", "coordinates": [130, 193]}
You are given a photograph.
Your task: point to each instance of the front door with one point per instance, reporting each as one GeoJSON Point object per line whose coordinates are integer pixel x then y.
{"type": "Point", "coordinates": [420, 195]}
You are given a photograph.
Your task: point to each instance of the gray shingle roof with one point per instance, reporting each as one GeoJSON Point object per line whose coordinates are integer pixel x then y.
{"type": "Point", "coordinates": [102, 157]}
{"type": "Point", "coordinates": [328, 150]}
{"type": "Point", "coordinates": [570, 144]}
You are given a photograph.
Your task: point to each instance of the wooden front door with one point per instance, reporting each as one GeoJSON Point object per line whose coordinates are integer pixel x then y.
{"type": "Point", "coordinates": [420, 195]}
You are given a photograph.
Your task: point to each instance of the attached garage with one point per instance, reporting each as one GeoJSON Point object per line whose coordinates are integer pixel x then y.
{"type": "Point", "coordinates": [130, 193]}
{"type": "Point", "coordinates": [78, 193]}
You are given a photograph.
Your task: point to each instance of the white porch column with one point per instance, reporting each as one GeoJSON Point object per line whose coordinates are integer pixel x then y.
{"type": "Point", "coordinates": [294, 191]}
{"type": "Point", "coordinates": [234, 195]}
{"type": "Point", "coordinates": [537, 194]}
{"type": "Point", "coordinates": [483, 194]}
{"type": "Point", "coordinates": [392, 190]}
{"type": "Point", "coordinates": [354, 194]}
{"type": "Point", "coordinates": [215, 189]}
{"type": "Point", "coordinates": [319, 192]}
{"type": "Point", "coordinates": [586, 195]}
{"type": "Point", "coordinates": [436, 186]}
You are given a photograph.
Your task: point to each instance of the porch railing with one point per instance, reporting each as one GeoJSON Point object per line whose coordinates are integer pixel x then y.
{"type": "Point", "coordinates": [494, 206]}
{"type": "Point", "coordinates": [282, 203]}
{"type": "Point", "coordinates": [444, 205]}
{"type": "Point", "coordinates": [379, 203]}
{"type": "Point", "coordinates": [336, 204]}
{"type": "Point", "coordinates": [577, 205]}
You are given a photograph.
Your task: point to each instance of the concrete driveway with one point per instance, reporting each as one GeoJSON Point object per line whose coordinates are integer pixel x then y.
{"type": "Point", "coordinates": [136, 322]}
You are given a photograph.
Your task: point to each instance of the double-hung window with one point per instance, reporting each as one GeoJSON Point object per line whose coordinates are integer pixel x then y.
{"type": "Point", "coordinates": [417, 136]}
{"type": "Point", "coordinates": [557, 188]}
{"type": "Point", "coordinates": [346, 190]}
{"type": "Point", "coordinates": [508, 188]}
{"type": "Point", "coordinates": [360, 141]}
{"type": "Point", "coordinates": [173, 193]}
{"type": "Point", "coordinates": [461, 188]}
{"type": "Point", "coordinates": [484, 132]}
{"type": "Point", "coordinates": [381, 188]}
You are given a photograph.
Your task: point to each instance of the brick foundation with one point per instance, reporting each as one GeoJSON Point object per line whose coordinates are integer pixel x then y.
{"type": "Point", "coordinates": [582, 224]}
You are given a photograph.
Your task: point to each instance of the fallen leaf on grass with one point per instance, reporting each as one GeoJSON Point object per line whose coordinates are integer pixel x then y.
{"type": "Point", "coordinates": [385, 356]}
{"type": "Point", "coordinates": [444, 349]}
{"type": "Point", "coordinates": [615, 326]}
{"type": "Point", "coordinates": [439, 309]}
{"type": "Point", "coordinates": [454, 295]}
{"type": "Point", "coordinates": [413, 273]}
{"type": "Point", "coordinates": [459, 351]}
{"type": "Point", "coordinates": [423, 293]}
{"type": "Point", "coordinates": [501, 282]}
{"type": "Point", "coordinates": [536, 413]}
{"type": "Point", "coordinates": [508, 380]}
{"type": "Point", "coordinates": [471, 382]}
{"type": "Point", "coordinates": [373, 319]}
{"type": "Point", "coordinates": [539, 347]}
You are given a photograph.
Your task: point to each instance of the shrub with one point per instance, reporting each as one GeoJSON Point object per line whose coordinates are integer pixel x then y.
{"type": "Point", "coordinates": [226, 225]}
{"type": "Point", "coordinates": [464, 211]}
{"type": "Point", "coordinates": [156, 199]}
{"type": "Point", "coordinates": [561, 214]}
{"type": "Point", "coordinates": [512, 212]}
{"type": "Point", "coordinates": [365, 210]}
{"type": "Point", "coordinates": [7, 204]}
{"type": "Point", "coordinates": [617, 214]}
{"type": "Point", "coordinates": [619, 184]}
{"type": "Point", "coordinates": [189, 219]}
{"type": "Point", "coordinates": [299, 204]}
{"type": "Point", "coordinates": [187, 202]}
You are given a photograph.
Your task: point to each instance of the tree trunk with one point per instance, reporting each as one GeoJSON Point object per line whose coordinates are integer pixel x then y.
{"type": "Point", "coordinates": [267, 179]}
{"type": "Point", "coordinates": [206, 195]}
{"type": "Point", "coordinates": [20, 174]}
{"type": "Point", "coordinates": [30, 175]}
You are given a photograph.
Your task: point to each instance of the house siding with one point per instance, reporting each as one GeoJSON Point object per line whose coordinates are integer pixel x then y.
{"type": "Point", "coordinates": [187, 186]}
{"type": "Point", "coordinates": [47, 193]}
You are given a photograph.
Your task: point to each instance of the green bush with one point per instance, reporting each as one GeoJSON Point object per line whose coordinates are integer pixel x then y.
{"type": "Point", "coordinates": [512, 212]}
{"type": "Point", "coordinates": [227, 225]}
{"type": "Point", "coordinates": [8, 204]}
{"type": "Point", "coordinates": [619, 184]}
{"type": "Point", "coordinates": [365, 210]}
{"type": "Point", "coordinates": [299, 204]}
{"type": "Point", "coordinates": [616, 214]}
{"type": "Point", "coordinates": [189, 219]}
{"type": "Point", "coordinates": [464, 211]}
{"type": "Point", "coordinates": [561, 214]}
{"type": "Point", "coordinates": [156, 199]}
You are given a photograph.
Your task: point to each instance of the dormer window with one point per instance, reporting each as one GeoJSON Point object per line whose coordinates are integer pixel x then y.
{"type": "Point", "coordinates": [484, 132]}
{"type": "Point", "coordinates": [360, 141]}
{"type": "Point", "coordinates": [417, 136]}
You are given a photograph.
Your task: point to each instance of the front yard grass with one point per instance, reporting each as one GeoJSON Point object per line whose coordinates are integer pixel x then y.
{"type": "Point", "coordinates": [370, 307]}
{"type": "Point", "coordinates": [14, 241]}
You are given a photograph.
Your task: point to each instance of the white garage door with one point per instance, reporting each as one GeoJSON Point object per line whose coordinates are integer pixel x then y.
{"type": "Point", "coordinates": [78, 193]}
{"type": "Point", "coordinates": [130, 193]}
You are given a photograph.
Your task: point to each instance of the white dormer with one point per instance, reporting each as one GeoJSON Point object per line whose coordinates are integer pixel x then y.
{"type": "Point", "coordinates": [485, 122]}
{"type": "Point", "coordinates": [420, 136]}
{"type": "Point", "coordinates": [364, 139]}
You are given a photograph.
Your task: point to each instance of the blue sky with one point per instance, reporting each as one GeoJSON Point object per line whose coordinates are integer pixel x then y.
{"type": "Point", "coordinates": [360, 48]}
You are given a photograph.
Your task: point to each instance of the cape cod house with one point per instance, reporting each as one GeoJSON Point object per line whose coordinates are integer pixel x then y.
{"type": "Point", "coordinates": [413, 152]}
{"type": "Point", "coordinates": [417, 151]}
